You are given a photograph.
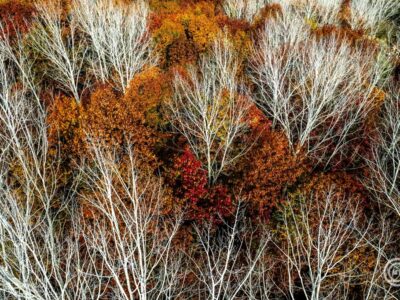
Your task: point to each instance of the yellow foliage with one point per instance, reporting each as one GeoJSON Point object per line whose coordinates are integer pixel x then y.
{"type": "Point", "coordinates": [203, 30]}
{"type": "Point", "coordinates": [146, 93]}
{"type": "Point", "coordinates": [169, 32]}
{"type": "Point", "coordinates": [162, 6]}
{"type": "Point", "coordinates": [183, 34]}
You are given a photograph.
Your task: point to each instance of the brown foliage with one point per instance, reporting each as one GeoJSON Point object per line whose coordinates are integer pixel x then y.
{"type": "Point", "coordinates": [116, 121]}
{"type": "Point", "coordinates": [270, 11]}
{"type": "Point", "coordinates": [345, 13]}
{"type": "Point", "coordinates": [346, 185]}
{"type": "Point", "coordinates": [355, 38]}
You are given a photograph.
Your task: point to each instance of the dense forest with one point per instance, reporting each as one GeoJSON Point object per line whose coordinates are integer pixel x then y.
{"type": "Point", "coordinates": [182, 149]}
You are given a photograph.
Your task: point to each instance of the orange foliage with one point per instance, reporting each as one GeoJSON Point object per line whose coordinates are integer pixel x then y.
{"type": "Point", "coordinates": [345, 185]}
{"type": "Point", "coordinates": [184, 31]}
{"type": "Point", "coordinates": [165, 6]}
{"type": "Point", "coordinates": [146, 93]}
{"type": "Point", "coordinates": [267, 174]}
{"type": "Point", "coordinates": [116, 122]}
{"type": "Point", "coordinates": [106, 117]}
{"type": "Point", "coordinates": [268, 169]}
{"type": "Point", "coordinates": [203, 29]}
{"type": "Point", "coordinates": [64, 119]}
{"type": "Point", "coordinates": [112, 119]}
{"type": "Point", "coordinates": [168, 31]}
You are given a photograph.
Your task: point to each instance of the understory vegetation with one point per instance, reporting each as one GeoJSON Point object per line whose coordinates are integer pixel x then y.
{"type": "Point", "coordinates": [212, 149]}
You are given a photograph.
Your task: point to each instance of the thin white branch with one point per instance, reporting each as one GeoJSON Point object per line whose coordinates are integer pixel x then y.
{"type": "Point", "coordinates": [118, 36]}
{"type": "Point", "coordinates": [209, 107]}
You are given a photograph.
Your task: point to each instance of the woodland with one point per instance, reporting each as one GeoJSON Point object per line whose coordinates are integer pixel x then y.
{"type": "Point", "coordinates": [212, 149]}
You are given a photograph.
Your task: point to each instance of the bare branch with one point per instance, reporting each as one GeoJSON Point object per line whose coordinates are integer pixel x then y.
{"type": "Point", "coordinates": [225, 268]}
{"type": "Point", "coordinates": [317, 91]}
{"type": "Point", "coordinates": [209, 108]}
{"type": "Point", "coordinates": [131, 238]}
{"type": "Point", "coordinates": [118, 36]}
{"type": "Point", "coordinates": [64, 52]}
{"type": "Point", "coordinates": [321, 235]}
{"type": "Point", "coordinates": [384, 179]}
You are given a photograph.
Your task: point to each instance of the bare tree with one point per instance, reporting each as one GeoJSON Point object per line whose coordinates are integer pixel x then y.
{"type": "Point", "coordinates": [317, 91]}
{"type": "Point", "coordinates": [320, 11]}
{"type": "Point", "coordinates": [381, 239]}
{"type": "Point", "coordinates": [227, 258]}
{"type": "Point", "coordinates": [261, 284]}
{"type": "Point", "coordinates": [131, 237]}
{"type": "Point", "coordinates": [38, 259]}
{"type": "Point", "coordinates": [384, 179]}
{"type": "Point", "coordinates": [17, 65]}
{"type": "Point", "coordinates": [321, 236]}
{"type": "Point", "coordinates": [209, 107]}
{"type": "Point", "coordinates": [243, 9]}
{"type": "Point", "coordinates": [118, 36]}
{"type": "Point", "coordinates": [369, 14]}
{"type": "Point", "coordinates": [365, 14]}
{"type": "Point", "coordinates": [63, 50]}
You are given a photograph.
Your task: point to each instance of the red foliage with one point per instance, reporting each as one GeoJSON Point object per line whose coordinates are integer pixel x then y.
{"type": "Point", "coordinates": [201, 201]}
{"type": "Point", "coordinates": [193, 178]}
{"type": "Point", "coordinates": [16, 17]}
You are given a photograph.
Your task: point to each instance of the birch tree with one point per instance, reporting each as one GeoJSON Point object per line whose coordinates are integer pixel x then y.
{"type": "Point", "coordinates": [118, 37]}
{"type": "Point", "coordinates": [60, 46]}
{"type": "Point", "coordinates": [225, 267]}
{"type": "Point", "coordinates": [317, 91]}
{"type": "Point", "coordinates": [384, 180]}
{"type": "Point", "coordinates": [321, 234]}
{"type": "Point", "coordinates": [131, 238]}
{"type": "Point", "coordinates": [209, 107]}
